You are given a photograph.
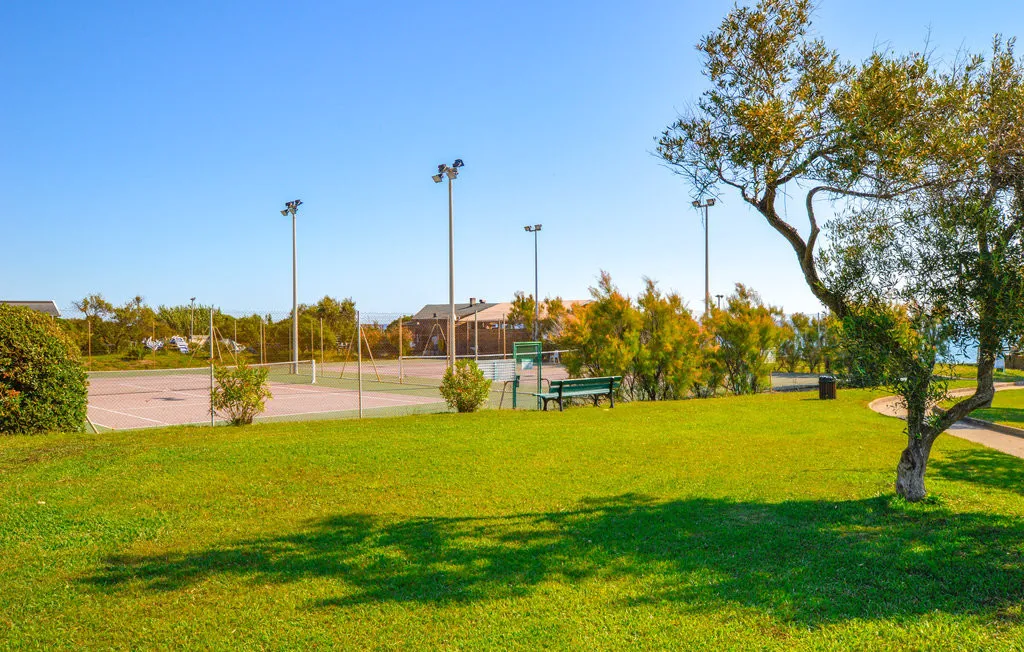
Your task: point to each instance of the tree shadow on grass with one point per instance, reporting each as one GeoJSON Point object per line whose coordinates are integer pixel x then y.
{"type": "Point", "coordinates": [811, 562]}
{"type": "Point", "coordinates": [981, 466]}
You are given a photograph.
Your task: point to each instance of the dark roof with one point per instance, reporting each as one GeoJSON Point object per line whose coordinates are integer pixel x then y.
{"type": "Point", "coordinates": [440, 310]}
{"type": "Point", "coordinates": [48, 307]}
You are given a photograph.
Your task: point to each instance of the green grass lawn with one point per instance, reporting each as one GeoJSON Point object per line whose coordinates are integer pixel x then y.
{"type": "Point", "coordinates": [970, 372]}
{"type": "Point", "coordinates": [1007, 409]}
{"type": "Point", "coordinates": [752, 522]}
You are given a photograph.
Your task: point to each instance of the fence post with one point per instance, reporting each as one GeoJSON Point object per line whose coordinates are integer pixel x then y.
{"type": "Point", "coordinates": [211, 393]}
{"type": "Point", "coordinates": [400, 343]}
{"type": "Point", "coordinates": [313, 361]}
{"type": "Point", "coordinates": [359, 361]}
{"type": "Point", "coordinates": [211, 366]}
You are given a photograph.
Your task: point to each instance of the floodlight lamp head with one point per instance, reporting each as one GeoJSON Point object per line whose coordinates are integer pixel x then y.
{"type": "Point", "coordinates": [458, 163]}
{"type": "Point", "coordinates": [440, 168]}
{"type": "Point", "coordinates": [696, 204]}
{"type": "Point", "coordinates": [536, 227]}
{"type": "Point", "coordinates": [452, 172]}
{"type": "Point", "coordinates": [527, 229]}
{"type": "Point", "coordinates": [436, 178]}
{"type": "Point", "coordinates": [710, 202]}
{"type": "Point", "coordinates": [284, 212]}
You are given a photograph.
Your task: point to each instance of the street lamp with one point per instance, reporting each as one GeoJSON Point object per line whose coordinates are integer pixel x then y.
{"type": "Point", "coordinates": [451, 172]}
{"type": "Point", "coordinates": [192, 320]}
{"type": "Point", "coordinates": [707, 285]}
{"type": "Point", "coordinates": [719, 297]}
{"type": "Point", "coordinates": [293, 207]}
{"type": "Point", "coordinates": [535, 229]}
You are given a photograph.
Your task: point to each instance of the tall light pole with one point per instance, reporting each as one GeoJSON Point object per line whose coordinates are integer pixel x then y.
{"type": "Point", "coordinates": [451, 172]}
{"type": "Point", "coordinates": [293, 207]}
{"type": "Point", "coordinates": [192, 320]}
{"type": "Point", "coordinates": [535, 229]}
{"type": "Point", "coordinates": [719, 297]}
{"type": "Point", "coordinates": [707, 284]}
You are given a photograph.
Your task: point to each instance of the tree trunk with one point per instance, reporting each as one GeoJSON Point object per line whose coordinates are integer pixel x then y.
{"type": "Point", "coordinates": [988, 349]}
{"type": "Point", "coordinates": [913, 462]}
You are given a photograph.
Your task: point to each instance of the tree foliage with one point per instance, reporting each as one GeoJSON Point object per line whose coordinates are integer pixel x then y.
{"type": "Point", "coordinates": [653, 344]}
{"type": "Point", "coordinates": [922, 170]}
{"type": "Point", "coordinates": [522, 314]}
{"type": "Point", "coordinates": [747, 334]}
{"type": "Point", "coordinates": [42, 380]}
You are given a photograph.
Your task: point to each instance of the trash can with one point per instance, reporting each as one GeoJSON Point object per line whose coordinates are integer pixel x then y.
{"type": "Point", "coordinates": [826, 387]}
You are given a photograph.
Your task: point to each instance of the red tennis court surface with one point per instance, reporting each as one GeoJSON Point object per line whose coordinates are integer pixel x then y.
{"type": "Point", "coordinates": [149, 407]}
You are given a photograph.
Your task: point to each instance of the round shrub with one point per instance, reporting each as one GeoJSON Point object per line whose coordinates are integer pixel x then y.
{"type": "Point", "coordinates": [43, 385]}
{"type": "Point", "coordinates": [464, 387]}
{"type": "Point", "coordinates": [241, 393]}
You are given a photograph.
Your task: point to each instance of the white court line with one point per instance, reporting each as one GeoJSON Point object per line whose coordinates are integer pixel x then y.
{"type": "Point", "coordinates": [125, 414]}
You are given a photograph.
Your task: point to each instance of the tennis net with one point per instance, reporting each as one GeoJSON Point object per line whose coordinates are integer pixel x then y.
{"type": "Point", "coordinates": [151, 381]}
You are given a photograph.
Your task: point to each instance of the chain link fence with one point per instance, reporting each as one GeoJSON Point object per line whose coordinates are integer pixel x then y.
{"type": "Point", "coordinates": [350, 365]}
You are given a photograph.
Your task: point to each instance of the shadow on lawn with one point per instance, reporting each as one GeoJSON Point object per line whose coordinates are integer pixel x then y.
{"type": "Point", "coordinates": [983, 467]}
{"type": "Point", "coordinates": [810, 562]}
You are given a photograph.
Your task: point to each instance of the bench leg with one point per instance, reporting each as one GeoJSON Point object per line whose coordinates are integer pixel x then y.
{"type": "Point", "coordinates": [560, 409]}
{"type": "Point", "coordinates": [611, 397]}
{"type": "Point", "coordinates": [545, 405]}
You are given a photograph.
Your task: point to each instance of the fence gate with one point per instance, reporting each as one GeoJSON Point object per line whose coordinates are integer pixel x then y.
{"type": "Point", "coordinates": [527, 355]}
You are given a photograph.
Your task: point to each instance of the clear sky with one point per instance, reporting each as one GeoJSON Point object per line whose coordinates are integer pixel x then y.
{"type": "Point", "coordinates": [148, 147]}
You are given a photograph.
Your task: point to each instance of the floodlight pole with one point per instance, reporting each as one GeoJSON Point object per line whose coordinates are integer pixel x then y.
{"type": "Point", "coordinates": [295, 301]}
{"type": "Point", "coordinates": [707, 284]}
{"type": "Point", "coordinates": [293, 207]}
{"type": "Point", "coordinates": [535, 229]}
{"type": "Point", "coordinates": [192, 320]}
{"type": "Point", "coordinates": [451, 273]}
{"type": "Point", "coordinates": [451, 172]}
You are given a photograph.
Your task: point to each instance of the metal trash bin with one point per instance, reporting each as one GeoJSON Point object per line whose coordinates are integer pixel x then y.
{"type": "Point", "coordinates": [826, 387]}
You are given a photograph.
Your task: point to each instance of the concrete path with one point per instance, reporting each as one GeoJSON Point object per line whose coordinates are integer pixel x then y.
{"type": "Point", "coordinates": [1000, 441]}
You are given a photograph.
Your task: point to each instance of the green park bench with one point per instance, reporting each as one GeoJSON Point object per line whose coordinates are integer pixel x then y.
{"type": "Point", "coordinates": [575, 387]}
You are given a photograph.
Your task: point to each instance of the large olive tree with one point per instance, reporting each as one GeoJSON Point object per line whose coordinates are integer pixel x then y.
{"type": "Point", "coordinates": [891, 144]}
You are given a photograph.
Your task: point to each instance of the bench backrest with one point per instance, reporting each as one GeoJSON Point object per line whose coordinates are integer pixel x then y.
{"type": "Point", "coordinates": [587, 384]}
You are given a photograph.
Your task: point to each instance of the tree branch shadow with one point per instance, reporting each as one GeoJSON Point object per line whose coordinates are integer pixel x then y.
{"type": "Point", "coordinates": [981, 466]}
{"type": "Point", "coordinates": [811, 562]}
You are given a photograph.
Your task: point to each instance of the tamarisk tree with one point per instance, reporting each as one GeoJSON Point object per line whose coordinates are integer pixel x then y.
{"type": "Point", "coordinates": [920, 169]}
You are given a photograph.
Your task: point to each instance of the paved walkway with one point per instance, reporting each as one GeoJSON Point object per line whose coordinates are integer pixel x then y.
{"type": "Point", "coordinates": [1010, 444]}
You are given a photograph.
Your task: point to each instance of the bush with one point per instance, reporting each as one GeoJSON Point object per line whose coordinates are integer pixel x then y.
{"type": "Point", "coordinates": [43, 385]}
{"type": "Point", "coordinates": [464, 387]}
{"type": "Point", "coordinates": [240, 393]}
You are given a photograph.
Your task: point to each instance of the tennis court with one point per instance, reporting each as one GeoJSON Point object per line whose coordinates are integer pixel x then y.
{"type": "Point", "coordinates": [148, 399]}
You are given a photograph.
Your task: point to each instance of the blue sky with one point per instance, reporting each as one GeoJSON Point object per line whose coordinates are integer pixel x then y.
{"type": "Point", "coordinates": [148, 147]}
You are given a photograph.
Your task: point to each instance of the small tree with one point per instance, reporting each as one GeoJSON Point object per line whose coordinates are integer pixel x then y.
{"type": "Point", "coordinates": [666, 360]}
{"type": "Point", "coordinates": [748, 336]}
{"type": "Point", "coordinates": [240, 392]}
{"type": "Point", "coordinates": [464, 387]}
{"type": "Point", "coordinates": [711, 372]}
{"type": "Point", "coordinates": [42, 381]}
{"type": "Point", "coordinates": [654, 345]}
{"type": "Point", "coordinates": [603, 337]}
